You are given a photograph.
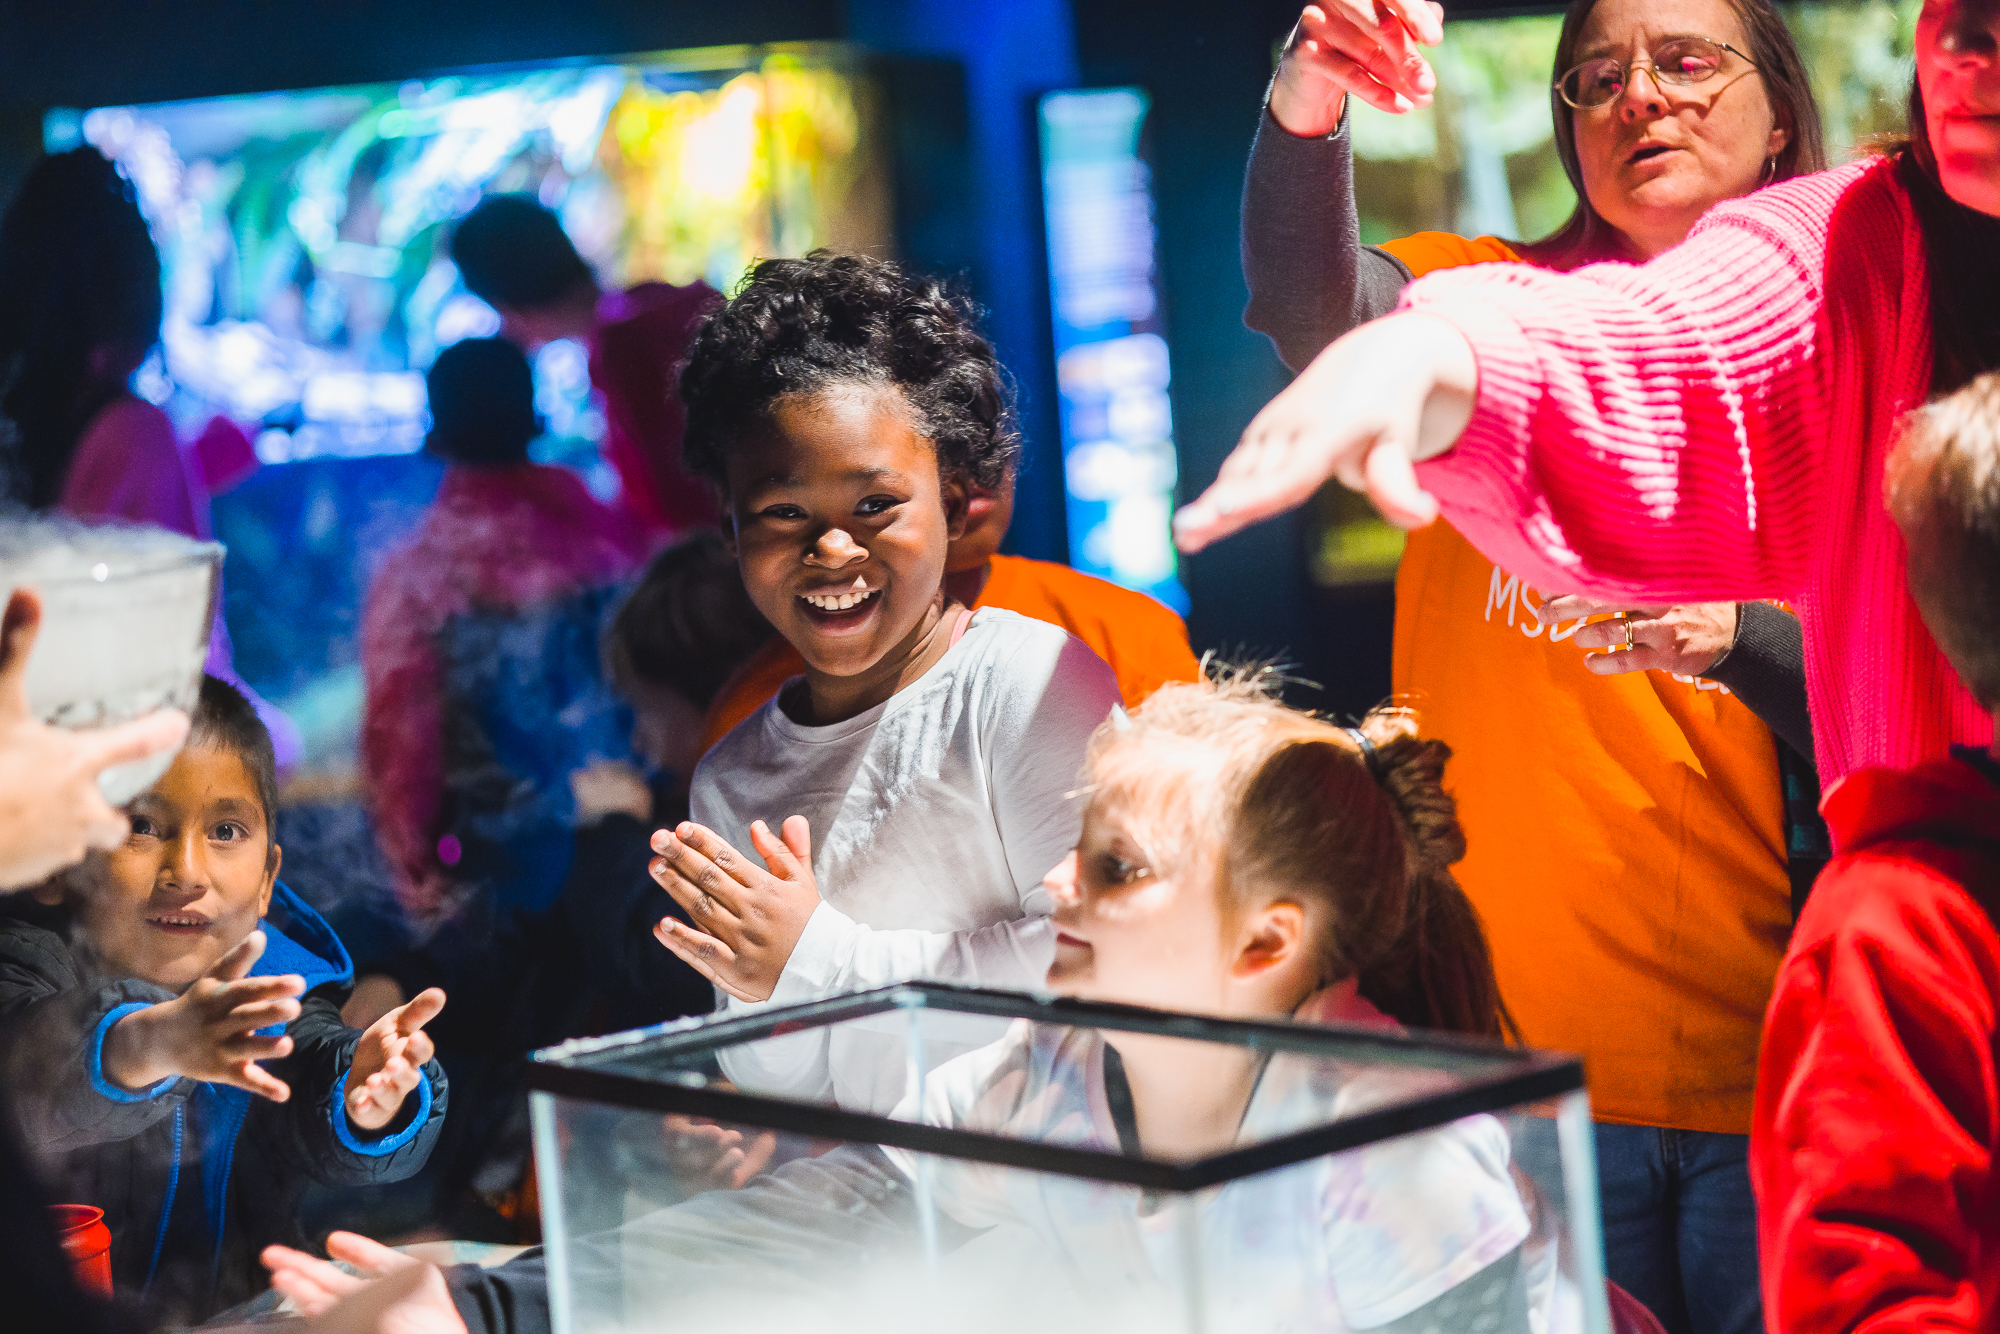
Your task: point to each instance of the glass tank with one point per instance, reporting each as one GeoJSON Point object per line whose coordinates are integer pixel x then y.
{"type": "Point", "coordinates": [1060, 1165]}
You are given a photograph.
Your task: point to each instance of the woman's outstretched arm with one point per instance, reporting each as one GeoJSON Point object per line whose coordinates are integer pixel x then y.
{"type": "Point", "coordinates": [1650, 433]}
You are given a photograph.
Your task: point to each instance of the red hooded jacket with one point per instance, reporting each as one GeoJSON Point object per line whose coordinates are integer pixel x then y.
{"type": "Point", "coordinates": [1877, 1117]}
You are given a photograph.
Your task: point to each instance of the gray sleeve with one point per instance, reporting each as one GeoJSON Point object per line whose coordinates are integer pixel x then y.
{"type": "Point", "coordinates": [1310, 278]}
{"type": "Point", "coordinates": [1766, 668]}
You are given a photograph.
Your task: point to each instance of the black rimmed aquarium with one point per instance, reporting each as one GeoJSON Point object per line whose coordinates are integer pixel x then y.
{"type": "Point", "coordinates": [1055, 1165]}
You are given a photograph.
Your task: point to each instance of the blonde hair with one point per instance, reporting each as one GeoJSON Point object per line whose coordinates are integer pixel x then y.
{"type": "Point", "coordinates": [1942, 485]}
{"type": "Point", "coordinates": [1220, 777]}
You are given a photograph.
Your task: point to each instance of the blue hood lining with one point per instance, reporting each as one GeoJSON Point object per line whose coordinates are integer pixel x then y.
{"type": "Point", "coordinates": [296, 940]}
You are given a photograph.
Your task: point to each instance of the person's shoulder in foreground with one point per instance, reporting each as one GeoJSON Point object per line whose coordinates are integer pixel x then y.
{"type": "Point", "coordinates": [1877, 1119]}
{"type": "Point", "coordinates": [1877, 1123]}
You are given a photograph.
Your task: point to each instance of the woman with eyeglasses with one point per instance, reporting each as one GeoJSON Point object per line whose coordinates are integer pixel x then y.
{"type": "Point", "coordinates": [1626, 820]}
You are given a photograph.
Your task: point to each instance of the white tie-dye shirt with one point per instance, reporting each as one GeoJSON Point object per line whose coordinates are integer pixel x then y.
{"type": "Point", "coordinates": [1345, 1241]}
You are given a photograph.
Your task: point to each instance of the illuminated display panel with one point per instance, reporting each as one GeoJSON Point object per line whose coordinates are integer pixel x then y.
{"type": "Point", "coordinates": [1481, 161]}
{"type": "Point", "coordinates": [303, 239]}
{"type": "Point", "coordinates": [303, 235]}
{"type": "Point", "coordinates": [1112, 365]}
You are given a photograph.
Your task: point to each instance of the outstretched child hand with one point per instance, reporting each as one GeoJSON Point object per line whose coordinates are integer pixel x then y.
{"type": "Point", "coordinates": [747, 919]}
{"type": "Point", "coordinates": [208, 1032]}
{"type": "Point", "coordinates": [387, 1292]}
{"type": "Point", "coordinates": [389, 1060]}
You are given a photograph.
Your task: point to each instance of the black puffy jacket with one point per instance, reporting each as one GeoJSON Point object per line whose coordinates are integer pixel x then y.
{"type": "Point", "coordinates": [194, 1179]}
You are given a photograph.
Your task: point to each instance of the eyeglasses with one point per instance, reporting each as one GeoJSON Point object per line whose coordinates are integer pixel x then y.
{"type": "Point", "coordinates": [1682, 61]}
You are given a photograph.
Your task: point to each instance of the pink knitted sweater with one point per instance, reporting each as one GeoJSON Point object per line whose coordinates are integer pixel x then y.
{"type": "Point", "coordinates": [1712, 426]}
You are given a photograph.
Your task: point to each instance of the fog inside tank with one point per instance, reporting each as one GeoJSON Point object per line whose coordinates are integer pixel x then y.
{"type": "Point", "coordinates": [1431, 1220]}
{"type": "Point", "coordinates": [126, 615]}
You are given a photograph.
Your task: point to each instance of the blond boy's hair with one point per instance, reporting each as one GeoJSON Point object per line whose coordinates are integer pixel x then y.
{"type": "Point", "coordinates": [1943, 489]}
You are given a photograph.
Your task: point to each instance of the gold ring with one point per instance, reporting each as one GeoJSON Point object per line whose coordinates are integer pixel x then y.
{"type": "Point", "coordinates": [1629, 645]}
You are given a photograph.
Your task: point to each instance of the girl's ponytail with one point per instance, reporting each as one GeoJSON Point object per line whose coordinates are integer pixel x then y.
{"type": "Point", "coordinates": [1437, 973]}
{"type": "Point", "coordinates": [1355, 823]}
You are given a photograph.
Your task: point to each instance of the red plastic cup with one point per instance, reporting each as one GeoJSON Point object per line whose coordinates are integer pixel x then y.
{"type": "Point", "coordinates": [87, 1243]}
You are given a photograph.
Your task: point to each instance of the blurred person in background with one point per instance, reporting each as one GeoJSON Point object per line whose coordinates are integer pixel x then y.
{"type": "Point", "coordinates": [587, 962]}
{"type": "Point", "coordinates": [684, 630]}
{"type": "Point", "coordinates": [502, 535]}
{"type": "Point", "coordinates": [1636, 824]}
{"type": "Point", "coordinates": [80, 309]}
{"type": "Point", "coordinates": [513, 254]}
{"type": "Point", "coordinates": [484, 690]}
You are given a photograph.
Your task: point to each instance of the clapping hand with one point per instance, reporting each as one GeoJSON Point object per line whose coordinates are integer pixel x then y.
{"type": "Point", "coordinates": [209, 1031]}
{"type": "Point", "coordinates": [1364, 47]}
{"type": "Point", "coordinates": [746, 918]}
{"type": "Point", "coordinates": [389, 1060]}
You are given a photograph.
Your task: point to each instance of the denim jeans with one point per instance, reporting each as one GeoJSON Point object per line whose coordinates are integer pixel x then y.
{"type": "Point", "coordinates": [1680, 1226]}
{"type": "Point", "coordinates": [1680, 1223]}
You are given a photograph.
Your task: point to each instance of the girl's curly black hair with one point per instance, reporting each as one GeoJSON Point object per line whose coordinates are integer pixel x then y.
{"type": "Point", "coordinates": [798, 326]}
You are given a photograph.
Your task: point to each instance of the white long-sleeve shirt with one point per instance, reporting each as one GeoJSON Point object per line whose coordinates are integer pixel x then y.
{"type": "Point", "coordinates": [934, 817]}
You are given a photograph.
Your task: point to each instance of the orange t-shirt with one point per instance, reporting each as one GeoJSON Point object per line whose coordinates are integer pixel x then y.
{"type": "Point", "coordinates": [1144, 642]}
{"type": "Point", "coordinates": [1625, 833]}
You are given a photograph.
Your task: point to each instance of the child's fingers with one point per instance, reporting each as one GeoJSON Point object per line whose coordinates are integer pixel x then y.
{"type": "Point", "coordinates": [232, 966]}
{"type": "Point", "coordinates": [420, 1051]}
{"type": "Point", "coordinates": [250, 1047]}
{"type": "Point", "coordinates": [776, 855]}
{"type": "Point", "coordinates": [312, 1284]}
{"type": "Point", "coordinates": [757, 1156]}
{"type": "Point", "coordinates": [723, 1169]}
{"type": "Point", "coordinates": [392, 1080]}
{"type": "Point", "coordinates": [308, 1290]}
{"type": "Point", "coordinates": [708, 911]}
{"type": "Point", "coordinates": [249, 1075]}
{"type": "Point", "coordinates": [160, 730]}
{"type": "Point", "coordinates": [370, 1257]}
{"type": "Point", "coordinates": [701, 952]}
{"type": "Point", "coordinates": [797, 832]}
{"type": "Point", "coordinates": [259, 988]}
{"type": "Point", "coordinates": [419, 1010]}
{"type": "Point", "coordinates": [261, 1014]}
{"type": "Point", "coordinates": [710, 861]}
{"type": "Point", "coordinates": [22, 621]}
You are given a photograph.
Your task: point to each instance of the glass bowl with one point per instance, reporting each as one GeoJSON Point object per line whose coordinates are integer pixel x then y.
{"type": "Point", "coordinates": [126, 612]}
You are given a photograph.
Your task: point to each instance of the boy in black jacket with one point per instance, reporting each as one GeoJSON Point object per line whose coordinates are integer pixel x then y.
{"type": "Point", "coordinates": [170, 1033]}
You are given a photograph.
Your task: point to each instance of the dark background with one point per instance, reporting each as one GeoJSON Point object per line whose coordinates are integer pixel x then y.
{"type": "Point", "coordinates": [962, 79]}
